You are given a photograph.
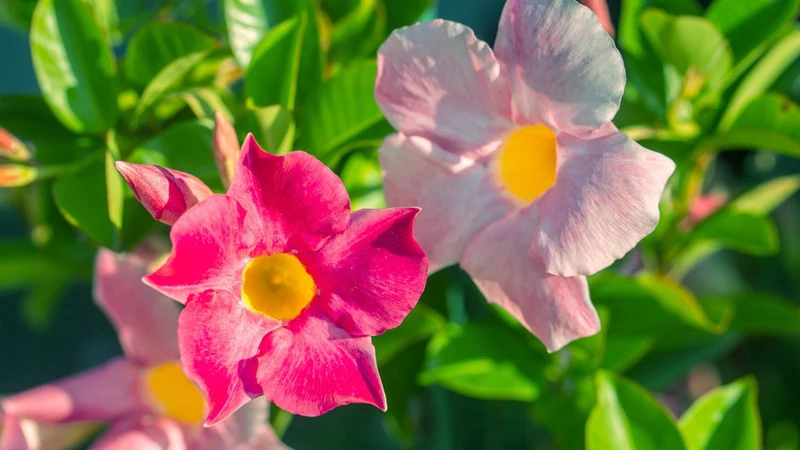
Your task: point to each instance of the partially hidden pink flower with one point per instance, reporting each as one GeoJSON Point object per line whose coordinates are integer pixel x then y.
{"type": "Point", "coordinates": [702, 207]}
{"type": "Point", "coordinates": [284, 287]}
{"type": "Point", "coordinates": [145, 396]}
{"type": "Point", "coordinates": [521, 176]}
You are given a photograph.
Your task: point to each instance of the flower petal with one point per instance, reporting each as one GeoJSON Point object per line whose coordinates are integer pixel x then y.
{"type": "Point", "coordinates": [143, 434]}
{"type": "Point", "coordinates": [246, 429]}
{"type": "Point", "coordinates": [146, 321]}
{"type": "Point", "coordinates": [294, 194]}
{"type": "Point", "coordinates": [438, 81]}
{"type": "Point", "coordinates": [210, 247]}
{"type": "Point", "coordinates": [104, 393]}
{"type": "Point", "coordinates": [12, 436]}
{"type": "Point", "coordinates": [165, 193]}
{"type": "Point", "coordinates": [605, 200]}
{"type": "Point", "coordinates": [371, 275]}
{"type": "Point", "coordinates": [565, 70]}
{"type": "Point", "coordinates": [458, 197]}
{"type": "Point", "coordinates": [556, 309]}
{"type": "Point", "coordinates": [219, 340]}
{"type": "Point", "coordinates": [311, 366]}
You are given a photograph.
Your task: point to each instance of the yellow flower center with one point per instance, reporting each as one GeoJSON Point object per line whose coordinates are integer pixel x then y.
{"type": "Point", "coordinates": [527, 162]}
{"type": "Point", "coordinates": [277, 286]}
{"type": "Point", "coordinates": [173, 395]}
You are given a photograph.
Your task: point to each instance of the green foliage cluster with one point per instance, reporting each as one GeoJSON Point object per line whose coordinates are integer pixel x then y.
{"type": "Point", "coordinates": [123, 81]}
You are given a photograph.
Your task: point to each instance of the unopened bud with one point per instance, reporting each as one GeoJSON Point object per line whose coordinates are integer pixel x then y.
{"type": "Point", "coordinates": [12, 148]}
{"type": "Point", "coordinates": [226, 148]}
{"type": "Point", "coordinates": [16, 175]}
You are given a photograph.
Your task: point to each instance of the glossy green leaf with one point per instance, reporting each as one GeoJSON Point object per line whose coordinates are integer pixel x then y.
{"type": "Point", "coordinates": [360, 32]}
{"type": "Point", "coordinates": [363, 179]}
{"type": "Point", "coordinates": [748, 23]}
{"type": "Point", "coordinates": [168, 79]}
{"type": "Point", "coordinates": [185, 146]}
{"type": "Point", "coordinates": [273, 128]}
{"type": "Point", "coordinates": [759, 313]}
{"type": "Point", "coordinates": [339, 111]}
{"type": "Point", "coordinates": [689, 42]}
{"type": "Point", "coordinates": [745, 232]}
{"type": "Point", "coordinates": [206, 101]}
{"type": "Point", "coordinates": [114, 195]}
{"type": "Point", "coordinates": [421, 323]}
{"type": "Point", "coordinates": [485, 361]}
{"type": "Point", "coordinates": [621, 351]}
{"type": "Point", "coordinates": [627, 417]}
{"type": "Point", "coordinates": [400, 13]}
{"type": "Point", "coordinates": [82, 199]}
{"type": "Point", "coordinates": [273, 74]}
{"type": "Point", "coordinates": [157, 44]}
{"type": "Point", "coordinates": [248, 21]}
{"type": "Point", "coordinates": [770, 122]}
{"type": "Point", "coordinates": [74, 65]}
{"type": "Point", "coordinates": [726, 418]}
{"type": "Point", "coordinates": [761, 77]}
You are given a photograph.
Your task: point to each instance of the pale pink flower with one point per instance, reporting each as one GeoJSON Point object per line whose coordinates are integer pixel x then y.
{"type": "Point", "coordinates": [521, 176]}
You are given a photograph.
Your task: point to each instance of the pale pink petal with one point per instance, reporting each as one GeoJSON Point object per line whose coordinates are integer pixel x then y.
{"type": "Point", "coordinates": [556, 309]}
{"type": "Point", "coordinates": [11, 435]}
{"type": "Point", "coordinates": [372, 275]}
{"type": "Point", "coordinates": [604, 202]}
{"type": "Point", "coordinates": [293, 195]}
{"type": "Point", "coordinates": [246, 429]}
{"type": "Point", "coordinates": [458, 197]}
{"type": "Point", "coordinates": [311, 366]}
{"type": "Point", "coordinates": [104, 393]}
{"type": "Point", "coordinates": [143, 433]}
{"type": "Point", "coordinates": [438, 81]}
{"type": "Point", "coordinates": [146, 321]}
{"type": "Point", "coordinates": [564, 68]}
{"type": "Point", "coordinates": [600, 9]}
{"type": "Point", "coordinates": [165, 193]}
{"type": "Point", "coordinates": [219, 340]}
{"type": "Point", "coordinates": [211, 244]}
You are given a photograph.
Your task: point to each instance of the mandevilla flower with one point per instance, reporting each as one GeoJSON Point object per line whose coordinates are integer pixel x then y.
{"type": "Point", "coordinates": [511, 154]}
{"type": "Point", "coordinates": [145, 395]}
{"type": "Point", "coordinates": [283, 286]}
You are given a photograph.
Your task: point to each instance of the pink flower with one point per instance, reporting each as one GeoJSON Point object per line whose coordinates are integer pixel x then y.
{"type": "Point", "coordinates": [521, 176]}
{"type": "Point", "coordinates": [283, 287]}
{"type": "Point", "coordinates": [145, 395]}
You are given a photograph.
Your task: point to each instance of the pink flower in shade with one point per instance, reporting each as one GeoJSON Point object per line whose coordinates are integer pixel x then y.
{"type": "Point", "coordinates": [511, 154]}
{"type": "Point", "coordinates": [145, 395]}
{"type": "Point", "coordinates": [284, 287]}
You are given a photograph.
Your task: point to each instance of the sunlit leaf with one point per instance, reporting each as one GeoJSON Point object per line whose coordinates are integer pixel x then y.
{"type": "Point", "coordinates": [82, 199]}
{"type": "Point", "coordinates": [248, 21]}
{"type": "Point", "coordinates": [762, 314]}
{"type": "Point", "coordinates": [273, 128]}
{"type": "Point", "coordinates": [747, 23]}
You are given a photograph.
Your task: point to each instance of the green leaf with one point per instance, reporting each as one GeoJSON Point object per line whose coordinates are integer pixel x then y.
{"type": "Point", "coordinates": [400, 13]}
{"type": "Point", "coordinates": [745, 232]}
{"type": "Point", "coordinates": [115, 195]}
{"type": "Point", "coordinates": [770, 122]}
{"type": "Point", "coordinates": [206, 101]}
{"type": "Point", "coordinates": [761, 77]}
{"type": "Point", "coordinates": [624, 351]}
{"type": "Point", "coordinates": [689, 42]}
{"type": "Point", "coordinates": [764, 198]}
{"type": "Point", "coordinates": [360, 32]}
{"type": "Point", "coordinates": [23, 265]}
{"type": "Point", "coordinates": [248, 22]}
{"type": "Point", "coordinates": [82, 199]}
{"type": "Point", "coordinates": [273, 128]}
{"type": "Point", "coordinates": [157, 44]}
{"type": "Point", "coordinates": [724, 419]}
{"type": "Point", "coordinates": [420, 324]}
{"type": "Point", "coordinates": [761, 314]}
{"type": "Point", "coordinates": [185, 146]}
{"type": "Point", "coordinates": [273, 74]}
{"type": "Point", "coordinates": [748, 23]}
{"type": "Point", "coordinates": [627, 417]}
{"type": "Point", "coordinates": [362, 177]}
{"type": "Point", "coordinates": [485, 361]}
{"type": "Point", "coordinates": [39, 306]}
{"type": "Point", "coordinates": [339, 111]}
{"type": "Point", "coordinates": [652, 306]}
{"type": "Point", "coordinates": [167, 80]}
{"type": "Point", "coordinates": [74, 65]}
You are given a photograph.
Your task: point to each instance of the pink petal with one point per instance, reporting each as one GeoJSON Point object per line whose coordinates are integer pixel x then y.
{"type": "Point", "coordinates": [458, 197]}
{"type": "Point", "coordinates": [26, 434]}
{"type": "Point", "coordinates": [11, 435]}
{"type": "Point", "coordinates": [292, 195]}
{"type": "Point", "coordinates": [143, 433]}
{"type": "Point", "coordinates": [600, 9]}
{"type": "Point", "coordinates": [438, 81]}
{"type": "Point", "coordinates": [371, 275]}
{"type": "Point", "coordinates": [246, 429]}
{"type": "Point", "coordinates": [219, 341]}
{"type": "Point", "coordinates": [311, 366]}
{"type": "Point", "coordinates": [556, 309]}
{"type": "Point", "coordinates": [103, 393]}
{"type": "Point", "coordinates": [146, 321]}
{"type": "Point", "coordinates": [226, 147]}
{"type": "Point", "coordinates": [210, 247]}
{"type": "Point", "coordinates": [564, 68]}
{"type": "Point", "coordinates": [605, 200]}
{"type": "Point", "coordinates": [165, 193]}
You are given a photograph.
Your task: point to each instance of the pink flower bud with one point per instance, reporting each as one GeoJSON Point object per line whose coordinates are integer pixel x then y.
{"type": "Point", "coordinates": [16, 175]}
{"type": "Point", "coordinates": [226, 147]}
{"type": "Point", "coordinates": [12, 148]}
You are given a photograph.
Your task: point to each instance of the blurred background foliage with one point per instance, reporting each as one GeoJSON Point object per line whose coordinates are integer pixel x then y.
{"type": "Point", "coordinates": [700, 347]}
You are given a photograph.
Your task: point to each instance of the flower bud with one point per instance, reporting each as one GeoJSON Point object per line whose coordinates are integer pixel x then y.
{"type": "Point", "coordinates": [16, 175]}
{"type": "Point", "coordinates": [226, 147]}
{"type": "Point", "coordinates": [12, 148]}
